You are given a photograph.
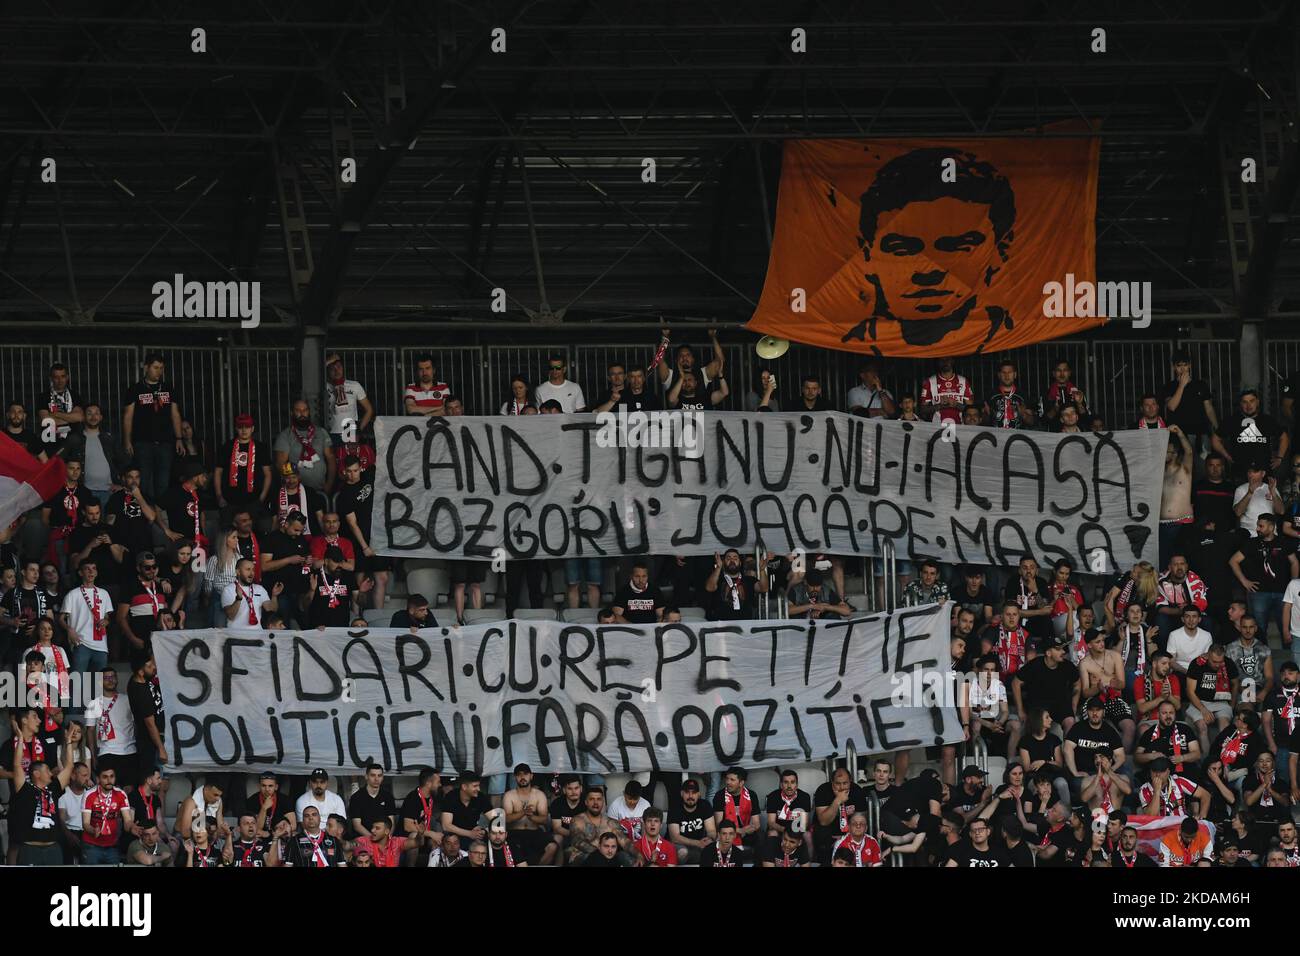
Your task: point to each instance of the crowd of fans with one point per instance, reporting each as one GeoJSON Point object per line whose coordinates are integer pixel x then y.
{"type": "Point", "coordinates": [1154, 694]}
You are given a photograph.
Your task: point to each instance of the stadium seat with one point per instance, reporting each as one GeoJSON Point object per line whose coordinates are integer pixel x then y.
{"type": "Point", "coordinates": [996, 767]}
{"type": "Point", "coordinates": [578, 615]}
{"type": "Point", "coordinates": [493, 585]}
{"type": "Point", "coordinates": [694, 614]}
{"type": "Point", "coordinates": [431, 581]}
{"type": "Point", "coordinates": [811, 776]}
{"type": "Point", "coordinates": [535, 614]}
{"type": "Point", "coordinates": [556, 577]}
{"type": "Point", "coordinates": [764, 780]}
{"type": "Point", "coordinates": [484, 615]}
{"type": "Point", "coordinates": [377, 617]}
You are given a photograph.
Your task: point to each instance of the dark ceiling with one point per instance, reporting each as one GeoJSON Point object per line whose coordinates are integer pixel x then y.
{"type": "Point", "coordinates": [170, 161]}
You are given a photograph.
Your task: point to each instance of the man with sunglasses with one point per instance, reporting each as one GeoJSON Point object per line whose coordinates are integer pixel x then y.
{"type": "Point", "coordinates": [558, 388]}
{"type": "Point", "coordinates": [142, 602]}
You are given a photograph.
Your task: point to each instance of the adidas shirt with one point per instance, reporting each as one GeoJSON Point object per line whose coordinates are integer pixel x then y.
{"type": "Point", "coordinates": [1250, 439]}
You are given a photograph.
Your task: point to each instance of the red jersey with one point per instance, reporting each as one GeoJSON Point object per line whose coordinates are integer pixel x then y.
{"type": "Point", "coordinates": [320, 542]}
{"type": "Point", "coordinates": [867, 853]}
{"type": "Point", "coordinates": [658, 853]}
{"type": "Point", "coordinates": [390, 855]}
{"type": "Point", "coordinates": [936, 388]}
{"type": "Point", "coordinates": [1011, 650]}
{"type": "Point", "coordinates": [105, 827]}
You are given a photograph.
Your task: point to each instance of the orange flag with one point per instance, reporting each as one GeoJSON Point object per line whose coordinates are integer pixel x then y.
{"type": "Point", "coordinates": [928, 248]}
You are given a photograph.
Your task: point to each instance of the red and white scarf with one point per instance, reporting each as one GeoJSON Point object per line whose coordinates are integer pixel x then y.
{"type": "Point", "coordinates": [507, 858]}
{"type": "Point", "coordinates": [234, 464]}
{"type": "Point", "coordinates": [738, 811]}
{"type": "Point", "coordinates": [99, 623]}
{"type": "Point", "coordinates": [317, 855]}
{"type": "Point", "coordinates": [33, 752]}
{"type": "Point", "coordinates": [298, 504]}
{"type": "Point", "coordinates": [250, 599]}
{"type": "Point", "coordinates": [104, 727]}
{"type": "Point", "coordinates": [655, 853]}
{"type": "Point", "coordinates": [1233, 748]}
{"type": "Point", "coordinates": [308, 450]}
{"type": "Point", "coordinates": [194, 511]}
{"type": "Point", "coordinates": [61, 669]}
{"type": "Point", "coordinates": [1011, 649]}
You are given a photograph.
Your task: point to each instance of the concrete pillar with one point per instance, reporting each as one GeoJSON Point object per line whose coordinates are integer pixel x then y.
{"type": "Point", "coordinates": [313, 367]}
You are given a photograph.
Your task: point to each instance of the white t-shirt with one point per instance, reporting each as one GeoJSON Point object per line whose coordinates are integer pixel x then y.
{"type": "Point", "coordinates": [241, 622]}
{"type": "Point", "coordinates": [330, 803]}
{"type": "Point", "coordinates": [71, 803]}
{"type": "Point", "coordinates": [568, 394]}
{"type": "Point", "coordinates": [77, 605]}
{"type": "Point", "coordinates": [342, 403]}
{"type": "Point", "coordinates": [619, 810]}
{"type": "Point", "coordinates": [1292, 596]}
{"type": "Point", "coordinates": [1261, 503]}
{"type": "Point", "coordinates": [1185, 647]}
{"type": "Point", "coordinates": [986, 701]}
{"type": "Point", "coordinates": [114, 724]}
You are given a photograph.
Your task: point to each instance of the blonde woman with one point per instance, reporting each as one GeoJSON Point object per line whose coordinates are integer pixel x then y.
{"type": "Point", "coordinates": [1140, 586]}
{"type": "Point", "coordinates": [220, 572]}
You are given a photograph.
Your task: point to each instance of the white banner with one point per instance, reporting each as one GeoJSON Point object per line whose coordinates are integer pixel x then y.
{"type": "Point", "coordinates": [556, 486]}
{"type": "Point", "coordinates": [696, 696]}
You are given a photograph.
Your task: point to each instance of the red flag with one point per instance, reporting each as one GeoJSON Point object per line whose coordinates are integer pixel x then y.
{"type": "Point", "coordinates": [25, 482]}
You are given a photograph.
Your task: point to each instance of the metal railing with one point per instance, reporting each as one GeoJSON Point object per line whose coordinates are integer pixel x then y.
{"type": "Point", "coordinates": [213, 380]}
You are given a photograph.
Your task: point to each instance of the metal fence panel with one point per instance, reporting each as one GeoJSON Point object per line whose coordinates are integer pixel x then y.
{"type": "Point", "coordinates": [506, 361]}
{"type": "Point", "coordinates": [103, 373]}
{"type": "Point", "coordinates": [199, 379]}
{"type": "Point", "coordinates": [460, 366]}
{"type": "Point", "coordinates": [24, 372]}
{"type": "Point", "coordinates": [379, 374]}
{"type": "Point", "coordinates": [1126, 370]}
{"type": "Point", "coordinates": [1281, 358]}
{"type": "Point", "coordinates": [591, 366]}
{"type": "Point", "coordinates": [264, 383]}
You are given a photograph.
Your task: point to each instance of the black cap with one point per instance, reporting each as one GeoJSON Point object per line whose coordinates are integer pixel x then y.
{"type": "Point", "coordinates": [1096, 702]}
{"type": "Point", "coordinates": [319, 774]}
{"type": "Point", "coordinates": [269, 775]}
{"type": "Point", "coordinates": [1290, 666]}
{"type": "Point", "coordinates": [970, 770]}
{"type": "Point", "coordinates": [690, 783]}
{"type": "Point", "coordinates": [523, 768]}
{"type": "Point", "coordinates": [906, 813]}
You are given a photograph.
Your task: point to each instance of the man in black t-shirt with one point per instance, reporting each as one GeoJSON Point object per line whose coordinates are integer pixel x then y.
{"type": "Point", "coordinates": [463, 812]}
{"type": "Point", "coordinates": [151, 427]}
{"type": "Point", "coordinates": [312, 846]}
{"type": "Point", "coordinates": [34, 822]}
{"type": "Point", "coordinates": [372, 802]}
{"type": "Point", "coordinates": [783, 805]}
{"type": "Point", "coordinates": [973, 595]}
{"type": "Point", "coordinates": [17, 430]}
{"type": "Point", "coordinates": [1049, 681]}
{"type": "Point", "coordinates": [562, 811]}
{"type": "Point", "coordinates": [1029, 592]}
{"type": "Point", "coordinates": [1169, 738]}
{"type": "Point", "coordinates": [243, 472]}
{"type": "Point", "coordinates": [976, 850]}
{"type": "Point", "coordinates": [249, 849]}
{"type": "Point", "coordinates": [834, 804]}
{"type": "Point", "coordinates": [355, 503]}
{"type": "Point", "coordinates": [1087, 737]}
{"type": "Point", "coordinates": [59, 404]}
{"type": "Point", "coordinates": [131, 515]}
{"type": "Point", "coordinates": [639, 601]}
{"type": "Point", "coordinates": [731, 590]}
{"type": "Point", "coordinates": [93, 540]}
{"type": "Point", "coordinates": [267, 807]}
{"type": "Point", "coordinates": [1212, 496]}
{"type": "Point", "coordinates": [1187, 402]}
{"type": "Point", "coordinates": [331, 603]}
{"type": "Point", "coordinates": [690, 823]}
{"type": "Point", "coordinates": [147, 714]}
{"type": "Point", "coordinates": [1281, 719]}
{"type": "Point", "coordinates": [726, 852]}
{"type": "Point", "coordinates": [286, 559]}
{"type": "Point", "coordinates": [1251, 437]}
{"type": "Point", "coordinates": [788, 849]}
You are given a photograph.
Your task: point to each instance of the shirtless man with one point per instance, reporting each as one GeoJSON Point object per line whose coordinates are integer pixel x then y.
{"type": "Point", "coordinates": [1101, 674]}
{"type": "Point", "coordinates": [587, 828]}
{"type": "Point", "coordinates": [1176, 498]}
{"type": "Point", "coordinates": [527, 815]}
